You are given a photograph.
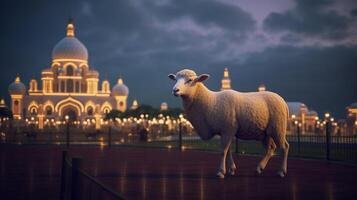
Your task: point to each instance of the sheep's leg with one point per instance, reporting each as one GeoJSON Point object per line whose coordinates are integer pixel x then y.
{"type": "Point", "coordinates": [231, 165]}
{"type": "Point", "coordinates": [270, 149]}
{"type": "Point", "coordinates": [225, 144]}
{"type": "Point", "coordinates": [284, 165]}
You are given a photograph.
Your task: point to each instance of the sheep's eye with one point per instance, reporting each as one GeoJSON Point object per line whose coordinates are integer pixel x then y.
{"type": "Point", "coordinates": [189, 81]}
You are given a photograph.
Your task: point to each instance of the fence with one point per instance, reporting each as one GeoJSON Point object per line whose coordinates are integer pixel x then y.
{"type": "Point", "coordinates": [77, 184]}
{"type": "Point", "coordinates": [320, 145]}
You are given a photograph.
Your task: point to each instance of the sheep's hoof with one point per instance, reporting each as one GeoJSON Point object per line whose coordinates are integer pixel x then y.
{"type": "Point", "coordinates": [282, 174]}
{"type": "Point", "coordinates": [231, 172]}
{"type": "Point", "coordinates": [259, 170]}
{"type": "Point", "coordinates": [220, 175]}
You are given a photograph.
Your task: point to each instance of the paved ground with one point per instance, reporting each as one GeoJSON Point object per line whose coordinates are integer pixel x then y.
{"type": "Point", "coordinates": [32, 172]}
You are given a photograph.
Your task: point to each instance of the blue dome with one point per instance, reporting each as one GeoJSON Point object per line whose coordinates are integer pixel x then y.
{"type": "Point", "coordinates": [120, 89]}
{"type": "Point", "coordinates": [17, 87]}
{"type": "Point", "coordinates": [70, 48]}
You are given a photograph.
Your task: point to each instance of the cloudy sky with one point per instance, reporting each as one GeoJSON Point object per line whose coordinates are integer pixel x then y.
{"type": "Point", "coordinates": [305, 50]}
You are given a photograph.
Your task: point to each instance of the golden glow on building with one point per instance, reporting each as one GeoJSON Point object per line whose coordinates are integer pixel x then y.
{"type": "Point", "coordinates": [69, 87]}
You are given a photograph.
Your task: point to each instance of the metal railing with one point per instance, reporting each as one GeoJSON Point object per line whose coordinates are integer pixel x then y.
{"type": "Point", "coordinates": [77, 184]}
{"type": "Point", "coordinates": [321, 145]}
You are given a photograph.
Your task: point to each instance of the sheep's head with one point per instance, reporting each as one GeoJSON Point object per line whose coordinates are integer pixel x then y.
{"type": "Point", "coordinates": [186, 82]}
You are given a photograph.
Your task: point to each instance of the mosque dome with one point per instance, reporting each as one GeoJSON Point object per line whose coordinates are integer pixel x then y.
{"type": "Point", "coordinates": [70, 47]}
{"type": "Point", "coordinates": [17, 87]}
{"type": "Point", "coordinates": [120, 89]}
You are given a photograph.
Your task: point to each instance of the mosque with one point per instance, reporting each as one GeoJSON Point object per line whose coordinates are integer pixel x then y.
{"type": "Point", "coordinates": [298, 112]}
{"type": "Point", "coordinates": [69, 88]}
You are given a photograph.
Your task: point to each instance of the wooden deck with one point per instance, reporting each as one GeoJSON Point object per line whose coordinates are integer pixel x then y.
{"type": "Point", "coordinates": [32, 172]}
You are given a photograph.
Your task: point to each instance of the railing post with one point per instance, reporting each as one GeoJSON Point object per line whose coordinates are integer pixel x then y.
{"type": "Point", "coordinates": [298, 137]}
{"type": "Point", "coordinates": [180, 136]}
{"type": "Point", "coordinates": [328, 143]}
{"type": "Point", "coordinates": [63, 175]}
{"type": "Point", "coordinates": [76, 184]}
{"type": "Point", "coordinates": [237, 150]}
{"type": "Point", "coordinates": [67, 134]}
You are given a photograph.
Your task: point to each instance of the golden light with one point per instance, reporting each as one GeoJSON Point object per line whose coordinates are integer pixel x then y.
{"type": "Point", "coordinates": [327, 115]}
{"type": "Point", "coordinates": [316, 118]}
{"type": "Point", "coordinates": [296, 122]}
{"type": "Point", "coordinates": [293, 116]}
{"type": "Point", "coordinates": [356, 122]}
{"type": "Point", "coordinates": [66, 117]}
{"type": "Point", "coordinates": [169, 146]}
{"type": "Point", "coordinates": [332, 119]}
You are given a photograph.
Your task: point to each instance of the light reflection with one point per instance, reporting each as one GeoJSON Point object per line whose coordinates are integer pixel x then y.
{"type": "Point", "coordinates": [181, 185]}
{"type": "Point", "coordinates": [143, 182]}
{"type": "Point", "coordinates": [123, 178]}
{"type": "Point", "coordinates": [202, 188]}
{"type": "Point", "coordinates": [163, 184]}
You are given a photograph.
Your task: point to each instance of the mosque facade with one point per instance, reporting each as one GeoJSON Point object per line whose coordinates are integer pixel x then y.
{"type": "Point", "coordinates": [71, 89]}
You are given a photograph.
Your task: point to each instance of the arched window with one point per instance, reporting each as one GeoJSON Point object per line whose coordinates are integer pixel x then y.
{"type": "Point", "coordinates": [16, 106]}
{"type": "Point", "coordinates": [70, 85]}
{"type": "Point", "coordinates": [33, 111]}
{"type": "Point", "coordinates": [70, 70]}
{"type": "Point", "coordinates": [106, 110]}
{"type": "Point", "coordinates": [48, 110]}
{"type": "Point", "coordinates": [90, 111]}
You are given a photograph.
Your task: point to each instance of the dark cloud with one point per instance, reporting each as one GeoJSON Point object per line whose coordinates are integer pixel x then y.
{"type": "Point", "coordinates": [310, 18]}
{"type": "Point", "coordinates": [319, 77]}
{"type": "Point", "coordinates": [143, 41]}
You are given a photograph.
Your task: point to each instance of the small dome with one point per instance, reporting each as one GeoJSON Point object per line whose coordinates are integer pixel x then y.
{"type": "Point", "coordinates": [70, 47]}
{"type": "Point", "coordinates": [17, 87]}
{"type": "Point", "coordinates": [120, 89]}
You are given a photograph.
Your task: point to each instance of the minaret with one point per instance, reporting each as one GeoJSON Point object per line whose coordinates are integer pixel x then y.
{"type": "Point", "coordinates": [262, 88]}
{"type": "Point", "coordinates": [70, 28]}
{"type": "Point", "coordinates": [226, 81]}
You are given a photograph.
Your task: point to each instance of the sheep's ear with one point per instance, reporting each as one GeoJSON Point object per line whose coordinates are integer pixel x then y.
{"type": "Point", "coordinates": [172, 76]}
{"type": "Point", "coordinates": [202, 77]}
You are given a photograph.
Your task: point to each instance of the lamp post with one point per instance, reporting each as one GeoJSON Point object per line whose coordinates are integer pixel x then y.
{"type": "Point", "coordinates": [298, 125]}
{"type": "Point", "coordinates": [67, 129]}
{"type": "Point", "coordinates": [328, 135]}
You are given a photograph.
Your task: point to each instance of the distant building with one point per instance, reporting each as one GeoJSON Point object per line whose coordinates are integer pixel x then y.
{"type": "Point", "coordinates": [300, 113]}
{"type": "Point", "coordinates": [2, 103]}
{"type": "Point", "coordinates": [135, 105]}
{"type": "Point", "coordinates": [226, 81]}
{"type": "Point", "coordinates": [69, 88]}
{"type": "Point", "coordinates": [164, 106]}
{"type": "Point", "coordinates": [351, 119]}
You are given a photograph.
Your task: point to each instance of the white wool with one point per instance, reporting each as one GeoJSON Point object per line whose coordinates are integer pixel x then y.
{"type": "Point", "coordinates": [254, 115]}
{"type": "Point", "coordinates": [247, 115]}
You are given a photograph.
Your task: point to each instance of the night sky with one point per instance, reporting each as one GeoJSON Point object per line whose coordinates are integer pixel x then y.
{"type": "Point", "coordinates": [305, 50]}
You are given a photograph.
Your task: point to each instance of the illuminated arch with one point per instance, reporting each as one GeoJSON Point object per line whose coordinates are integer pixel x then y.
{"type": "Point", "coordinates": [89, 103]}
{"type": "Point", "coordinates": [55, 64]}
{"type": "Point", "coordinates": [69, 104]}
{"type": "Point", "coordinates": [71, 64]}
{"type": "Point", "coordinates": [49, 104]}
{"type": "Point", "coordinates": [33, 104]}
{"type": "Point", "coordinates": [68, 101]}
{"type": "Point", "coordinates": [106, 105]}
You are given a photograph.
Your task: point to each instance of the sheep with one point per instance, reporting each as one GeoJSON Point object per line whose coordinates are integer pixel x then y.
{"type": "Point", "coordinates": [258, 116]}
